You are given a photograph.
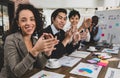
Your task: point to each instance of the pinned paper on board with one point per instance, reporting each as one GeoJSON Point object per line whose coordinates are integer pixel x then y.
{"type": "Point", "coordinates": [117, 25]}
{"type": "Point", "coordinates": [102, 35]}
{"type": "Point", "coordinates": [110, 26]}
{"type": "Point", "coordinates": [85, 69]}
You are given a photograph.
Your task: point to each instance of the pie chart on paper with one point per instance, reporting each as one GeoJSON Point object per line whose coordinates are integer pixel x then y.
{"type": "Point", "coordinates": [85, 71]}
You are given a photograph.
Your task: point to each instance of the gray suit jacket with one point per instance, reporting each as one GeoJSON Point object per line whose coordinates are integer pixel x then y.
{"type": "Point", "coordinates": [17, 58]}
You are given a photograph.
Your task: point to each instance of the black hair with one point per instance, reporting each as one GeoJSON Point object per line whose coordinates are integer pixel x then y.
{"type": "Point", "coordinates": [36, 13]}
{"type": "Point", "coordinates": [56, 12]}
{"type": "Point", "coordinates": [73, 13]}
{"type": "Point", "coordinates": [95, 19]}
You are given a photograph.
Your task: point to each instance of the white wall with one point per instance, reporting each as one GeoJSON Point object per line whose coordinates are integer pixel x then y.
{"type": "Point", "coordinates": [108, 3]}
{"type": "Point", "coordinates": [85, 7]}
{"type": "Point", "coordinates": [67, 3]}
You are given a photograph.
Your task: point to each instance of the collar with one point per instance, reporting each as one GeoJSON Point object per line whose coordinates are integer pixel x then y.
{"type": "Point", "coordinates": [21, 43]}
{"type": "Point", "coordinates": [54, 30]}
{"type": "Point", "coordinates": [18, 35]}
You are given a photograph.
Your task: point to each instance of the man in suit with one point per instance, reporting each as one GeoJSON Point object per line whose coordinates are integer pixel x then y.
{"type": "Point", "coordinates": [65, 45]}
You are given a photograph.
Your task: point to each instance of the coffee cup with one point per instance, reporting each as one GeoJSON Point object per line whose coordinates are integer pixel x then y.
{"type": "Point", "coordinates": [53, 63]}
{"type": "Point", "coordinates": [92, 48]}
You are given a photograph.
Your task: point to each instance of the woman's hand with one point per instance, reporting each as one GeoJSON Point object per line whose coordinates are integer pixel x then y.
{"type": "Point", "coordinates": [68, 37]}
{"type": "Point", "coordinates": [83, 35]}
{"type": "Point", "coordinates": [76, 37]}
{"type": "Point", "coordinates": [85, 24]}
{"type": "Point", "coordinates": [45, 44]}
{"type": "Point", "coordinates": [69, 34]}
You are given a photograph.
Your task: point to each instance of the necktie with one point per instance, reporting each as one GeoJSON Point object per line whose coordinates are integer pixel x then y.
{"type": "Point", "coordinates": [58, 35]}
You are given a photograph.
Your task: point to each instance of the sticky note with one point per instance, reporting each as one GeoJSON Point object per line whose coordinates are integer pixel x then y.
{"type": "Point", "coordinates": [102, 64]}
{"type": "Point", "coordinates": [96, 59]}
{"type": "Point", "coordinates": [104, 61]}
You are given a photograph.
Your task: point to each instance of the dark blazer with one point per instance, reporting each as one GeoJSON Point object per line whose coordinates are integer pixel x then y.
{"type": "Point", "coordinates": [17, 58]}
{"type": "Point", "coordinates": [60, 49]}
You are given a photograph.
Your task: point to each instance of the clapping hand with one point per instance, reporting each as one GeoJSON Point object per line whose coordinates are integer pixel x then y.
{"type": "Point", "coordinates": [76, 37]}
{"type": "Point", "coordinates": [45, 44]}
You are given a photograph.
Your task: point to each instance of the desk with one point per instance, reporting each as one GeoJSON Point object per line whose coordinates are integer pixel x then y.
{"type": "Point", "coordinates": [65, 70]}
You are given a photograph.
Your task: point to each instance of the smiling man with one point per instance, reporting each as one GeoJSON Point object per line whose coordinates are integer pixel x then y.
{"type": "Point", "coordinates": [58, 21]}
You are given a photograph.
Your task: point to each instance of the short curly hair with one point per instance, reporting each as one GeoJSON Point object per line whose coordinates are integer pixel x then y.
{"type": "Point", "coordinates": [73, 13]}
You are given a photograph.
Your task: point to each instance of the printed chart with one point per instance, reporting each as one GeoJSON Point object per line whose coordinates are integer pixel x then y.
{"type": "Point", "coordinates": [47, 74]}
{"type": "Point", "coordinates": [86, 69]}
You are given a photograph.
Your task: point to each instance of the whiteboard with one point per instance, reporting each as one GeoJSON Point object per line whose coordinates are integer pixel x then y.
{"type": "Point", "coordinates": [109, 22]}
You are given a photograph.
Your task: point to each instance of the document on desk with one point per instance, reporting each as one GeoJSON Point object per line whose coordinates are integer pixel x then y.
{"type": "Point", "coordinates": [69, 61]}
{"type": "Point", "coordinates": [103, 55]}
{"type": "Point", "coordinates": [47, 74]}
{"type": "Point", "coordinates": [112, 73]}
{"type": "Point", "coordinates": [110, 51]}
{"type": "Point", "coordinates": [86, 69]}
{"type": "Point", "coordinates": [81, 54]}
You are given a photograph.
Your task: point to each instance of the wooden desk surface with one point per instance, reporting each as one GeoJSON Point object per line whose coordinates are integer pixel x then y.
{"type": "Point", "coordinates": [65, 70]}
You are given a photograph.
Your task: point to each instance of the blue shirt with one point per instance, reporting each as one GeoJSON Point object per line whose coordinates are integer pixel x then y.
{"type": "Point", "coordinates": [98, 35]}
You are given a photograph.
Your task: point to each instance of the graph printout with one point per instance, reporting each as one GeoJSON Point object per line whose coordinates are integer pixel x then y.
{"type": "Point", "coordinates": [86, 69]}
